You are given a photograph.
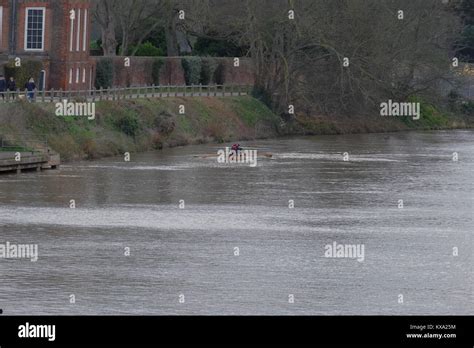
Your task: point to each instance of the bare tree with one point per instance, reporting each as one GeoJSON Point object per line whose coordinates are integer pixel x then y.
{"type": "Point", "coordinates": [104, 15]}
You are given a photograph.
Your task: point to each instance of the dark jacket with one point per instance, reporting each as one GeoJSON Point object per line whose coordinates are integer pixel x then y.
{"type": "Point", "coordinates": [3, 85]}
{"type": "Point", "coordinates": [11, 85]}
{"type": "Point", "coordinates": [30, 86]}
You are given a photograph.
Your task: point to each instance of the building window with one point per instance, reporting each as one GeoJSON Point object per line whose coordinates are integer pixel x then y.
{"type": "Point", "coordinates": [70, 76]}
{"type": "Point", "coordinates": [78, 72]}
{"type": "Point", "coordinates": [42, 81]}
{"type": "Point", "coordinates": [78, 42]}
{"type": "Point", "coordinates": [1, 26]}
{"type": "Point", "coordinates": [84, 75]}
{"type": "Point", "coordinates": [71, 40]}
{"type": "Point", "coordinates": [34, 28]}
{"type": "Point", "coordinates": [84, 39]}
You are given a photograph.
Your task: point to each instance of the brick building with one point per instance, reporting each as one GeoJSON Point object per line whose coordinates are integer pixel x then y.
{"type": "Point", "coordinates": [54, 32]}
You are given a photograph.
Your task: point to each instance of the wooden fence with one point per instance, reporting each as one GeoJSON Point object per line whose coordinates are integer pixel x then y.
{"type": "Point", "coordinates": [52, 95]}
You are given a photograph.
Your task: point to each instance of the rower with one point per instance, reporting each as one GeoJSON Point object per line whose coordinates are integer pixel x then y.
{"type": "Point", "coordinates": [237, 148]}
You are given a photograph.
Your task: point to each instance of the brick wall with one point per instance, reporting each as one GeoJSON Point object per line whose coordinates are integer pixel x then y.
{"type": "Point", "coordinates": [140, 71]}
{"type": "Point", "coordinates": [5, 34]}
{"type": "Point", "coordinates": [72, 67]}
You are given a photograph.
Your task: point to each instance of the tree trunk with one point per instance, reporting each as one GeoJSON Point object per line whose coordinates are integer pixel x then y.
{"type": "Point", "coordinates": [109, 43]}
{"type": "Point", "coordinates": [171, 38]}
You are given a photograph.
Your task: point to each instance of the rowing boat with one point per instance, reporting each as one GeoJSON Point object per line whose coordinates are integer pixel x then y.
{"type": "Point", "coordinates": [259, 155]}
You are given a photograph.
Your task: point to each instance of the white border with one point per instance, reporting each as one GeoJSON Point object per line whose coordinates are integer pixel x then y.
{"type": "Point", "coordinates": [71, 44]}
{"type": "Point", "coordinates": [26, 29]}
{"type": "Point", "coordinates": [43, 87]}
{"type": "Point", "coordinates": [78, 43]}
{"type": "Point", "coordinates": [1, 26]}
{"type": "Point", "coordinates": [85, 31]}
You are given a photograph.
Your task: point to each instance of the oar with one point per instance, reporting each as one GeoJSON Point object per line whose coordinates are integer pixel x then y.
{"type": "Point", "coordinates": [265, 154]}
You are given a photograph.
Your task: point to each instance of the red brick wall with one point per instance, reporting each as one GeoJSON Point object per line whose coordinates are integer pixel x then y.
{"type": "Point", "coordinates": [57, 57]}
{"type": "Point", "coordinates": [241, 75]}
{"type": "Point", "coordinates": [5, 26]}
{"type": "Point", "coordinates": [140, 71]}
{"type": "Point", "coordinates": [64, 60]}
{"type": "Point", "coordinates": [172, 72]}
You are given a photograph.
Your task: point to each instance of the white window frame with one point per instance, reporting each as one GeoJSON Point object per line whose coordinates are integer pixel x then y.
{"type": "Point", "coordinates": [43, 9]}
{"type": "Point", "coordinates": [84, 44]}
{"type": "Point", "coordinates": [83, 75]}
{"type": "Point", "coordinates": [43, 72]}
{"type": "Point", "coordinates": [78, 42]}
{"type": "Point", "coordinates": [70, 76]}
{"type": "Point", "coordinates": [78, 72]}
{"type": "Point", "coordinates": [71, 39]}
{"type": "Point", "coordinates": [1, 26]}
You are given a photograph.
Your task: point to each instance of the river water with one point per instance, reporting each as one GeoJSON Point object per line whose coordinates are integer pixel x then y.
{"type": "Point", "coordinates": [417, 259]}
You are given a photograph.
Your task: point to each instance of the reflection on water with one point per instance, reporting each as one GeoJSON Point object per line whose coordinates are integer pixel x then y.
{"type": "Point", "coordinates": [190, 251]}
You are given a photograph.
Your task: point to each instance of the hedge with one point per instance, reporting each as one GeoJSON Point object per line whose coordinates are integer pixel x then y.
{"type": "Point", "coordinates": [104, 73]}
{"type": "Point", "coordinates": [209, 67]}
{"type": "Point", "coordinates": [219, 74]}
{"type": "Point", "coordinates": [192, 70]}
{"type": "Point", "coordinates": [29, 68]}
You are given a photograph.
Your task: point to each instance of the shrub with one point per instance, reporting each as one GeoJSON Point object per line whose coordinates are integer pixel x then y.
{"type": "Point", "coordinates": [128, 124]}
{"type": "Point", "coordinates": [263, 95]}
{"type": "Point", "coordinates": [96, 45]}
{"type": "Point", "coordinates": [217, 48]}
{"type": "Point", "coordinates": [192, 69]}
{"type": "Point", "coordinates": [147, 49]}
{"type": "Point", "coordinates": [468, 108]}
{"type": "Point", "coordinates": [104, 73]}
{"type": "Point", "coordinates": [29, 68]}
{"type": "Point", "coordinates": [219, 76]}
{"type": "Point", "coordinates": [156, 69]}
{"type": "Point", "coordinates": [208, 69]}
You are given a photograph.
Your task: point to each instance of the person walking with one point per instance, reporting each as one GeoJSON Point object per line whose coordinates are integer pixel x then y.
{"type": "Point", "coordinates": [12, 86]}
{"type": "Point", "coordinates": [3, 86]}
{"type": "Point", "coordinates": [30, 87]}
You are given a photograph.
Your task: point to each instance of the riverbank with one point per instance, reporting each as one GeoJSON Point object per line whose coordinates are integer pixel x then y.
{"type": "Point", "coordinates": [150, 124]}
{"type": "Point", "coordinates": [141, 125]}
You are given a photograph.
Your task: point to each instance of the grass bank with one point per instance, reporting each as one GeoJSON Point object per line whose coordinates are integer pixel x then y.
{"type": "Point", "coordinates": [140, 125]}
{"type": "Point", "coordinates": [150, 124]}
{"type": "Point", "coordinates": [431, 118]}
